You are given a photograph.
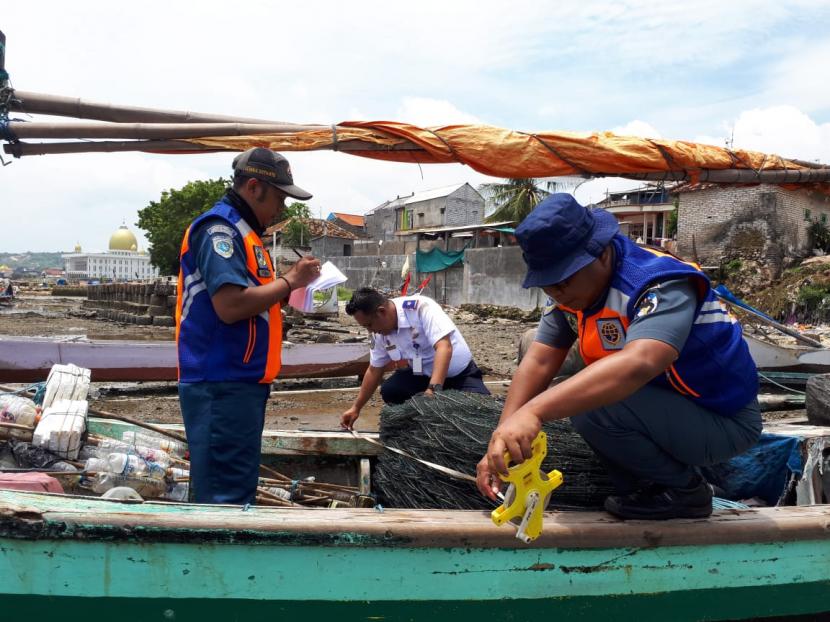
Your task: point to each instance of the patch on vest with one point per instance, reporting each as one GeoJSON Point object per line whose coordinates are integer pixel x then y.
{"type": "Point", "coordinates": [371, 341]}
{"type": "Point", "coordinates": [223, 229]}
{"type": "Point", "coordinates": [611, 334]}
{"type": "Point", "coordinates": [410, 304]}
{"type": "Point", "coordinates": [648, 304]}
{"type": "Point", "coordinates": [223, 246]}
{"type": "Point", "coordinates": [550, 305]}
{"type": "Point", "coordinates": [263, 269]}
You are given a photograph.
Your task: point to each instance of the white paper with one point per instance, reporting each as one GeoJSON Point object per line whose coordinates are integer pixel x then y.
{"type": "Point", "coordinates": [302, 298]}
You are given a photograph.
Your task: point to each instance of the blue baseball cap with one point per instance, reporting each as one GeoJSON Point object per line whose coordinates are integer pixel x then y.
{"type": "Point", "coordinates": [560, 236]}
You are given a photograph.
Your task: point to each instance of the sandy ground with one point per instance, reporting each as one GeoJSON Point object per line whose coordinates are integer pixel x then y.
{"type": "Point", "coordinates": [294, 404]}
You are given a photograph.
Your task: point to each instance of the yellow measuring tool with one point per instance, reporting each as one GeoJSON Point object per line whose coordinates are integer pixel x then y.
{"type": "Point", "coordinates": [529, 492]}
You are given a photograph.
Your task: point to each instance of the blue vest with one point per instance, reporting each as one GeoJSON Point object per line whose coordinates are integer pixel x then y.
{"type": "Point", "coordinates": [209, 349]}
{"type": "Point", "coordinates": [714, 368]}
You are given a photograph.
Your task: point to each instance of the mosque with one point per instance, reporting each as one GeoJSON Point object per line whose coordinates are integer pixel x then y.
{"type": "Point", "coordinates": [122, 262]}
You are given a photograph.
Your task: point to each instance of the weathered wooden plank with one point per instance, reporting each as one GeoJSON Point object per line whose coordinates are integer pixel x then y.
{"type": "Point", "coordinates": [42, 515]}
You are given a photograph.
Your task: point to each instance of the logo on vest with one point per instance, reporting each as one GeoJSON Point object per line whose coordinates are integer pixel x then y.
{"type": "Point", "coordinates": [410, 304]}
{"type": "Point", "coordinates": [611, 334]}
{"type": "Point", "coordinates": [223, 246]}
{"type": "Point", "coordinates": [263, 269]}
{"type": "Point", "coordinates": [550, 305]}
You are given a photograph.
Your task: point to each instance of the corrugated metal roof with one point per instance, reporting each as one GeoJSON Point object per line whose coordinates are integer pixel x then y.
{"type": "Point", "coordinates": [492, 225]}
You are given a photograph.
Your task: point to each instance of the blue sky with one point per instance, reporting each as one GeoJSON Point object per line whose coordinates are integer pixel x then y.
{"type": "Point", "coordinates": [693, 70]}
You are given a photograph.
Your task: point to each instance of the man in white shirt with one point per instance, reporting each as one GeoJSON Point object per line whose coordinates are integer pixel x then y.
{"type": "Point", "coordinates": [414, 334]}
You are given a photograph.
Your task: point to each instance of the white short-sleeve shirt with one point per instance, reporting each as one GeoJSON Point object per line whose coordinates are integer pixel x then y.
{"type": "Point", "coordinates": [421, 323]}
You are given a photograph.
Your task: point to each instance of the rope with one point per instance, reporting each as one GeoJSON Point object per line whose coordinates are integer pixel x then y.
{"type": "Point", "coordinates": [334, 145]}
{"type": "Point", "coordinates": [573, 165]}
{"type": "Point", "coordinates": [771, 381]}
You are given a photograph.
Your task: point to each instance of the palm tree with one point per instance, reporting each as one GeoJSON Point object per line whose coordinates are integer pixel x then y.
{"type": "Point", "coordinates": [515, 198]}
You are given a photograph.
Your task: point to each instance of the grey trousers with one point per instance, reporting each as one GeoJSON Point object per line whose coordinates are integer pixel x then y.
{"type": "Point", "coordinates": [657, 436]}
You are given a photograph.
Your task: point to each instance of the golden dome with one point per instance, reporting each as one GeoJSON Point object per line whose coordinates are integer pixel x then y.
{"type": "Point", "coordinates": [78, 247]}
{"type": "Point", "coordinates": [123, 240]}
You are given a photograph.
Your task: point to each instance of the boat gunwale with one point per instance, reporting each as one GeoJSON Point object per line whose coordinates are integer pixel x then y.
{"type": "Point", "coordinates": [28, 515]}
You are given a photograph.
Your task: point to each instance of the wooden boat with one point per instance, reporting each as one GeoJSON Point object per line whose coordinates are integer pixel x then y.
{"type": "Point", "coordinates": [152, 560]}
{"type": "Point", "coordinates": [788, 358]}
{"type": "Point", "coordinates": [29, 359]}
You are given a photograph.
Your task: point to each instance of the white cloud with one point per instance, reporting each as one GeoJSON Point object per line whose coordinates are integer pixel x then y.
{"type": "Point", "coordinates": [425, 111]}
{"type": "Point", "coordinates": [630, 65]}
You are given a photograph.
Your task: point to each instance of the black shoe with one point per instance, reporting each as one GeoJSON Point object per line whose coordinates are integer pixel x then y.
{"type": "Point", "coordinates": [662, 504]}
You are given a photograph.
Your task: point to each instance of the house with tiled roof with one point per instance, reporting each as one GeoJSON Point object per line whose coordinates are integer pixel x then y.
{"type": "Point", "coordinates": [325, 239]}
{"type": "Point", "coordinates": [350, 222]}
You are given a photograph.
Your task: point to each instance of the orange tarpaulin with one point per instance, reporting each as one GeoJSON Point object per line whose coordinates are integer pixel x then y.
{"type": "Point", "coordinates": [512, 154]}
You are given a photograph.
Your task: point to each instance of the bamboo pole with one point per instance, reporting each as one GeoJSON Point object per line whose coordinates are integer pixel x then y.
{"type": "Point", "coordinates": [735, 176]}
{"type": "Point", "coordinates": [59, 106]}
{"type": "Point", "coordinates": [159, 146]}
{"type": "Point", "coordinates": [155, 131]}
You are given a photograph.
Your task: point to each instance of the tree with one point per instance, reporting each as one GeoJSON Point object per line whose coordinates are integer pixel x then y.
{"type": "Point", "coordinates": [166, 220]}
{"type": "Point", "coordinates": [515, 198]}
{"type": "Point", "coordinates": [296, 232]}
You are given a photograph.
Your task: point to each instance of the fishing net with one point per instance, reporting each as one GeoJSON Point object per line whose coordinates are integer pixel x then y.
{"type": "Point", "coordinates": [453, 429]}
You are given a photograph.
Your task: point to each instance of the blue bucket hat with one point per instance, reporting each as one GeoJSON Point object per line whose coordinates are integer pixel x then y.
{"type": "Point", "coordinates": [560, 236]}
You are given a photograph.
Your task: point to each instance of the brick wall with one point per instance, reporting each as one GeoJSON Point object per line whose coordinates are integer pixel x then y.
{"type": "Point", "coordinates": [764, 222]}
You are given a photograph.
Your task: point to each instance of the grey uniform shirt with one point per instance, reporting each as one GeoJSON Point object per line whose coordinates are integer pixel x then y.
{"type": "Point", "coordinates": [665, 312]}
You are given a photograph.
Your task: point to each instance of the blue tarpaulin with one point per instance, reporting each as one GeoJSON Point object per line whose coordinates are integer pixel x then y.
{"type": "Point", "coordinates": [763, 471]}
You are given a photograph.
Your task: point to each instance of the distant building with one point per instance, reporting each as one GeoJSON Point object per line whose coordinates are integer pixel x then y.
{"type": "Point", "coordinates": [642, 212]}
{"type": "Point", "coordinates": [456, 205]}
{"type": "Point", "coordinates": [325, 240]}
{"type": "Point", "coordinates": [350, 222]}
{"type": "Point", "coordinates": [122, 262]}
{"type": "Point", "coordinates": [762, 221]}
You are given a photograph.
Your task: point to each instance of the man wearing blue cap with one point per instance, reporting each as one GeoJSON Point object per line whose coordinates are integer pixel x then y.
{"type": "Point", "coordinates": [668, 386]}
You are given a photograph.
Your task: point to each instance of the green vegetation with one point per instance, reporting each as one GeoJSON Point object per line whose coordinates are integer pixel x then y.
{"type": "Point", "coordinates": [819, 235]}
{"type": "Point", "coordinates": [344, 294]}
{"type": "Point", "coordinates": [31, 261]}
{"type": "Point", "coordinates": [166, 220]}
{"type": "Point", "coordinates": [296, 232]}
{"type": "Point", "coordinates": [515, 198]}
{"type": "Point", "coordinates": [671, 226]}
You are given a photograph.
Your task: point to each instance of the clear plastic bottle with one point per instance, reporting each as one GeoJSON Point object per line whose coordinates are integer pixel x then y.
{"type": "Point", "coordinates": [171, 446]}
{"type": "Point", "coordinates": [107, 446]}
{"type": "Point", "coordinates": [177, 492]}
{"type": "Point", "coordinates": [145, 486]}
{"type": "Point", "coordinates": [129, 465]}
{"type": "Point", "coordinates": [18, 409]}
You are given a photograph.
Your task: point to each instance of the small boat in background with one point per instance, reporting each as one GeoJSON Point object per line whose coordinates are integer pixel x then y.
{"type": "Point", "coordinates": [29, 359]}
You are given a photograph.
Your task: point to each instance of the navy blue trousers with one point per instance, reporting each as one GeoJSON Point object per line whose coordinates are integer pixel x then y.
{"type": "Point", "coordinates": [657, 436]}
{"type": "Point", "coordinates": [403, 384]}
{"type": "Point", "coordinates": [223, 422]}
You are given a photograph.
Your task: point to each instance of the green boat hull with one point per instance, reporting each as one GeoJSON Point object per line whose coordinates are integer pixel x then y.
{"type": "Point", "coordinates": [688, 606]}
{"type": "Point", "coordinates": [69, 556]}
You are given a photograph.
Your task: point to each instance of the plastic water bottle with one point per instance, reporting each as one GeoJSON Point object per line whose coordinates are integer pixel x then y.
{"type": "Point", "coordinates": [171, 446]}
{"type": "Point", "coordinates": [129, 465]}
{"type": "Point", "coordinates": [177, 492]}
{"type": "Point", "coordinates": [18, 409]}
{"type": "Point", "coordinates": [107, 446]}
{"type": "Point", "coordinates": [147, 487]}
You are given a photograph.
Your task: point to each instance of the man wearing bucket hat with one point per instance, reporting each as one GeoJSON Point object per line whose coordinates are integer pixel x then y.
{"type": "Point", "coordinates": [669, 385]}
{"type": "Point", "coordinates": [229, 326]}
